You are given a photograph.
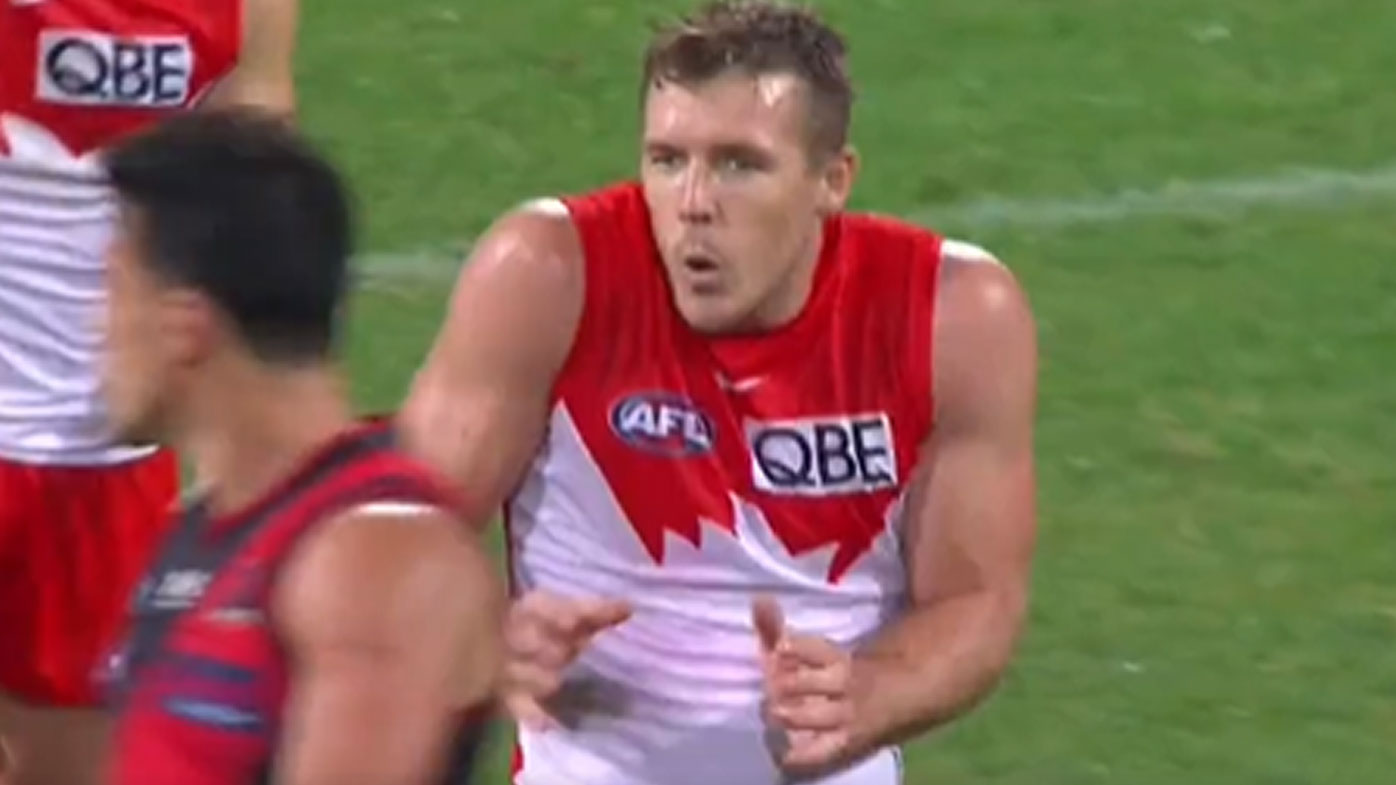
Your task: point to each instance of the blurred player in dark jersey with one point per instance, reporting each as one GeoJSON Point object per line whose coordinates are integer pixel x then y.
{"type": "Point", "coordinates": [320, 614]}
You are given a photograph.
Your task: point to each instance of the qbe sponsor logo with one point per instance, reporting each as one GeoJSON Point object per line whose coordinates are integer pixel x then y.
{"type": "Point", "coordinates": [823, 456]}
{"type": "Point", "coordinates": [99, 69]}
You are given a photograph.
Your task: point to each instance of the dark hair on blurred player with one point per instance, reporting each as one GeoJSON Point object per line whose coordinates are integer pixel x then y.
{"type": "Point", "coordinates": [321, 610]}
{"type": "Point", "coordinates": [240, 208]}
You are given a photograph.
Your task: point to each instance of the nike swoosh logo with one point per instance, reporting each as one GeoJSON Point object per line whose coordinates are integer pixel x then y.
{"type": "Point", "coordinates": [743, 385]}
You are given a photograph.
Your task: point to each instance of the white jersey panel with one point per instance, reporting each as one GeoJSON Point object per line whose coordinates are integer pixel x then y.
{"type": "Point", "coordinates": [673, 695]}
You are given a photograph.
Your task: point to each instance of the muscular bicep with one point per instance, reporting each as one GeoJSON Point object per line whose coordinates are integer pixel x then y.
{"type": "Point", "coordinates": [391, 622]}
{"type": "Point", "coordinates": [478, 407]}
{"type": "Point", "coordinates": [265, 72]}
{"type": "Point", "coordinates": [973, 508]}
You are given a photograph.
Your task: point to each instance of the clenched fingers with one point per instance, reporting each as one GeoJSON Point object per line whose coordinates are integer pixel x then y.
{"type": "Point", "coordinates": [799, 681]}
{"type": "Point", "coordinates": [811, 714]}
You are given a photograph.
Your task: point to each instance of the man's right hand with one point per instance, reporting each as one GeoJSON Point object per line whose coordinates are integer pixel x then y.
{"type": "Point", "coordinates": [544, 634]}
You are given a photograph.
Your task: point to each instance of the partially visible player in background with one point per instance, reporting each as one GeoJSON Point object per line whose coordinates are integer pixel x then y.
{"type": "Point", "coordinates": [321, 615]}
{"type": "Point", "coordinates": [80, 513]}
{"type": "Point", "coordinates": [767, 464]}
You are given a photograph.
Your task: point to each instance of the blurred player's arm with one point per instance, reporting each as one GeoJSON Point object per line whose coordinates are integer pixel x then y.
{"type": "Point", "coordinates": [264, 75]}
{"type": "Point", "coordinates": [972, 516]}
{"type": "Point", "coordinates": [392, 624]}
{"type": "Point", "coordinates": [478, 407]}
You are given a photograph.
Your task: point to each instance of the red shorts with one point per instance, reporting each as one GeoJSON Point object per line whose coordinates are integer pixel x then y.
{"type": "Point", "coordinates": [74, 542]}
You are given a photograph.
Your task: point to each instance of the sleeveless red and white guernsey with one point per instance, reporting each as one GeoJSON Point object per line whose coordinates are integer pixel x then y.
{"type": "Point", "coordinates": [75, 75]}
{"type": "Point", "coordinates": [687, 474]}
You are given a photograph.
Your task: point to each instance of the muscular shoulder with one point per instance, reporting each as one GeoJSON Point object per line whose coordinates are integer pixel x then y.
{"type": "Point", "coordinates": [984, 335]}
{"type": "Point", "coordinates": [978, 292]}
{"type": "Point", "coordinates": [510, 325]}
{"type": "Point", "coordinates": [521, 290]}
{"type": "Point", "coordinates": [537, 241]}
{"type": "Point", "coordinates": [364, 575]}
{"type": "Point", "coordinates": [396, 585]}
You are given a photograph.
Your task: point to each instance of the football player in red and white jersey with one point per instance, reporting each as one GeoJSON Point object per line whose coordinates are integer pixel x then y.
{"type": "Point", "coordinates": [80, 514]}
{"type": "Point", "coordinates": [766, 464]}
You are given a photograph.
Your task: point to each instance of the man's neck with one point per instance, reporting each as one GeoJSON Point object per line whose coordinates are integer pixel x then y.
{"type": "Point", "coordinates": [255, 433]}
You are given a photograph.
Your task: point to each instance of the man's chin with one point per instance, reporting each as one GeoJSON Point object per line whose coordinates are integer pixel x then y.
{"type": "Point", "coordinates": [716, 322]}
{"type": "Point", "coordinates": [706, 315]}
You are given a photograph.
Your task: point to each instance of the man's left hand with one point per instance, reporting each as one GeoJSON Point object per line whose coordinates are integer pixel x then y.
{"type": "Point", "coordinates": [810, 690]}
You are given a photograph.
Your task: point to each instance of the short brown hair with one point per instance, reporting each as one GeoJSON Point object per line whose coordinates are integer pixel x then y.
{"type": "Point", "coordinates": [759, 37]}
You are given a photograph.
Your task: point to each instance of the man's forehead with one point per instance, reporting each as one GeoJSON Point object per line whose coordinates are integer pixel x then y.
{"type": "Point", "coordinates": [767, 89]}
{"type": "Point", "coordinates": [736, 95]}
{"type": "Point", "coordinates": [779, 89]}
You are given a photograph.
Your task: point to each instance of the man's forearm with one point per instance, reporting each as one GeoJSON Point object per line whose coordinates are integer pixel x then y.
{"type": "Point", "coordinates": [931, 666]}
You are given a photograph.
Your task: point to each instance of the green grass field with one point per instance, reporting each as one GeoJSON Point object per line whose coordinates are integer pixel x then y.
{"type": "Point", "coordinates": [1216, 586]}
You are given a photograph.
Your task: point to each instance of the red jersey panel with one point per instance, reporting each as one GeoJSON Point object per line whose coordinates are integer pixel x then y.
{"type": "Point", "coordinates": [687, 474]}
{"type": "Point", "coordinates": [90, 71]}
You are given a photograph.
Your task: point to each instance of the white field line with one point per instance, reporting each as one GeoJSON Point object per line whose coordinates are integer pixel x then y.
{"type": "Point", "coordinates": [1297, 188]}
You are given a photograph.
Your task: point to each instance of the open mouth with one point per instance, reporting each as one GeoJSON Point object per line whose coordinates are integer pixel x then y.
{"type": "Point", "coordinates": [704, 274]}
{"type": "Point", "coordinates": [700, 264]}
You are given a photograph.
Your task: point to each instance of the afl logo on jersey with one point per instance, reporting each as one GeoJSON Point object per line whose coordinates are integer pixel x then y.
{"type": "Point", "coordinates": [663, 423]}
{"type": "Point", "coordinates": [823, 456]}
{"type": "Point", "coordinates": [98, 69]}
